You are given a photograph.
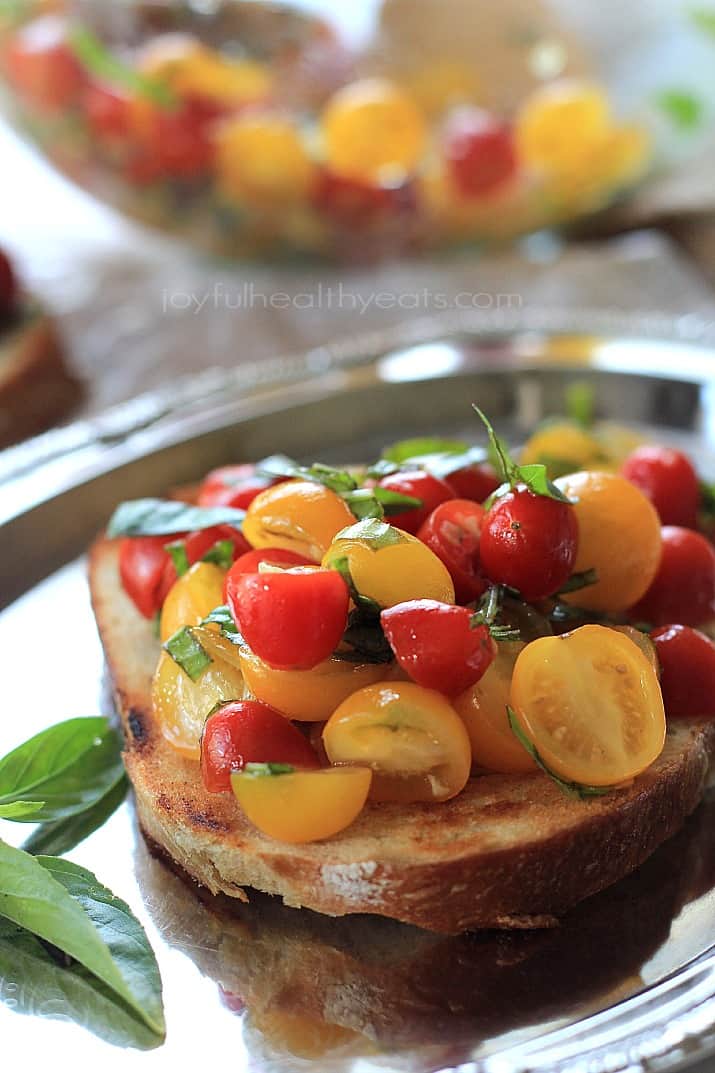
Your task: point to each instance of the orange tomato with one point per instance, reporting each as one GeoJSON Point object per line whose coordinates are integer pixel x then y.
{"type": "Point", "coordinates": [301, 516]}
{"type": "Point", "coordinates": [618, 536]}
{"type": "Point", "coordinates": [191, 598]}
{"type": "Point", "coordinates": [563, 447]}
{"type": "Point", "coordinates": [301, 806]}
{"type": "Point", "coordinates": [262, 159]}
{"type": "Point", "coordinates": [308, 696]}
{"type": "Point", "coordinates": [411, 737]}
{"type": "Point", "coordinates": [482, 708]}
{"type": "Point", "coordinates": [590, 703]}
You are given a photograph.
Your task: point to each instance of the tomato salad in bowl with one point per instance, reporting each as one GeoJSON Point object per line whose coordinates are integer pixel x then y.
{"type": "Point", "coordinates": [387, 633]}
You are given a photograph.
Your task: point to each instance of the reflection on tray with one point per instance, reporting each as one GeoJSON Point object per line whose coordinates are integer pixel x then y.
{"type": "Point", "coordinates": [320, 988]}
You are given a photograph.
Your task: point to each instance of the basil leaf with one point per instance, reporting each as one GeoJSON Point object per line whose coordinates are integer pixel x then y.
{"type": "Point", "coordinates": [162, 517]}
{"type": "Point", "coordinates": [373, 532]}
{"type": "Point", "coordinates": [70, 992]}
{"type": "Point", "coordinates": [683, 108]}
{"type": "Point", "coordinates": [365, 604]}
{"type": "Point", "coordinates": [63, 835]}
{"type": "Point", "coordinates": [489, 608]}
{"type": "Point", "coordinates": [536, 479]}
{"type": "Point", "coordinates": [177, 552]}
{"type": "Point", "coordinates": [20, 810]}
{"type": "Point", "coordinates": [337, 480]}
{"type": "Point", "coordinates": [580, 403]}
{"type": "Point", "coordinates": [534, 476]}
{"type": "Point", "coordinates": [65, 905]}
{"type": "Point", "coordinates": [442, 465]}
{"type": "Point", "coordinates": [579, 581]}
{"type": "Point", "coordinates": [571, 789]}
{"type": "Point", "coordinates": [364, 504]}
{"type": "Point", "coordinates": [366, 638]}
{"type": "Point", "coordinates": [703, 19]}
{"type": "Point", "coordinates": [406, 450]}
{"type": "Point", "coordinates": [224, 619]}
{"type": "Point", "coordinates": [104, 65]}
{"type": "Point", "coordinates": [221, 554]}
{"type": "Point", "coordinates": [67, 768]}
{"type": "Point", "coordinates": [260, 770]}
{"type": "Point", "coordinates": [189, 653]}
{"type": "Point", "coordinates": [395, 502]}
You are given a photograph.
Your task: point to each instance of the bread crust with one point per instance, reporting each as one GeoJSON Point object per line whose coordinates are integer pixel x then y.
{"type": "Point", "coordinates": [508, 852]}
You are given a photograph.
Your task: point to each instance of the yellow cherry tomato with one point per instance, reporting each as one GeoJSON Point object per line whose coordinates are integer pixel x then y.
{"type": "Point", "coordinates": [182, 705]}
{"type": "Point", "coordinates": [373, 130]}
{"type": "Point", "coordinates": [563, 447]}
{"type": "Point", "coordinates": [617, 441]}
{"type": "Point", "coordinates": [395, 568]}
{"type": "Point", "coordinates": [623, 157]}
{"type": "Point", "coordinates": [411, 737]}
{"type": "Point", "coordinates": [191, 598]}
{"type": "Point", "coordinates": [192, 69]}
{"type": "Point", "coordinates": [301, 516]}
{"type": "Point", "coordinates": [482, 708]}
{"type": "Point", "coordinates": [440, 84]}
{"type": "Point", "coordinates": [309, 696]}
{"type": "Point", "coordinates": [618, 536]}
{"type": "Point", "coordinates": [559, 125]}
{"type": "Point", "coordinates": [590, 703]}
{"type": "Point", "coordinates": [263, 158]}
{"type": "Point", "coordinates": [302, 806]}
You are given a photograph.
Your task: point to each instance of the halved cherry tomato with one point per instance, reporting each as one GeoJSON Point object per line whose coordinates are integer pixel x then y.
{"type": "Point", "coordinates": [411, 737]}
{"type": "Point", "coordinates": [644, 642]}
{"type": "Point", "coordinates": [452, 532]}
{"type": "Point", "coordinates": [421, 485]}
{"type": "Point", "coordinates": [480, 152]}
{"type": "Point", "coordinates": [395, 568]}
{"type": "Point", "coordinates": [196, 545]}
{"type": "Point", "coordinates": [529, 542]}
{"type": "Point", "coordinates": [250, 561]}
{"type": "Point", "coordinates": [590, 703]}
{"type": "Point", "coordinates": [302, 806]}
{"type": "Point", "coordinates": [475, 481]}
{"type": "Point", "coordinates": [301, 516]}
{"type": "Point", "coordinates": [41, 66]}
{"type": "Point", "coordinates": [483, 708]}
{"type": "Point", "coordinates": [668, 478]}
{"type": "Point", "coordinates": [8, 286]}
{"type": "Point", "coordinates": [618, 537]}
{"type": "Point", "coordinates": [232, 486]}
{"type": "Point", "coordinates": [292, 620]}
{"type": "Point", "coordinates": [142, 561]}
{"type": "Point", "coordinates": [308, 696]}
{"type": "Point", "coordinates": [687, 661]}
{"type": "Point", "coordinates": [192, 598]}
{"type": "Point", "coordinates": [181, 705]}
{"type": "Point", "coordinates": [436, 645]}
{"type": "Point", "coordinates": [683, 589]}
{"type": "Point", "coordinates": [245, 732]}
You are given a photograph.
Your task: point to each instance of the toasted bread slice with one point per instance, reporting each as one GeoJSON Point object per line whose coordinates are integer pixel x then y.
{"type": "Point", "coordinates": [508, 852]}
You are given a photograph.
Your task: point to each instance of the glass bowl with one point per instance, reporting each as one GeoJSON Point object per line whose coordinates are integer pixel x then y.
{"type": "Point", "coordinates": [353, 132]}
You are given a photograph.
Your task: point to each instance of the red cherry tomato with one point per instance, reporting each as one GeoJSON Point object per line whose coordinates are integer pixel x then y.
{"type": "Point", "coordinates": [352, 203]}
{"type": "Point", "coordinates": [8, 285]}
{"type": "Point", "coordinates": [475, 482]}
{"type": "Point", "coordinates": [232, 486]}
{"type": "Point", "coordinates": [529, 542]}
{"type": "Point", "coordinates": [171, 143]}
{"type": "Point", "coordinates": [249, 562]}
{"type": "Point", "coordinates": [452, 532]}
{"type": "Point", "coordinates": [683, 589]}
{"type": "Point", "coordinates": [480, 152]}
{"type": "Point", "coordinates": [292, 620]}
{"type": "Point", "coordinates": [687, 663]}
{"type": "Point", "coordinates": [422, 485]}
{"type": "Point", "coordinates": [436, 646]}
{"type": "Point", "coordinates": [196, 546]}
{"type": "Point", "coordinates": [668, 478]}
{"type": "Point", "coordinates": [107, 111]}
{"type": "Point", "coordinates": [142, 561]}
{"type": "Point", "coordinates": [249, 732]}
{"type": "Point", "coordinates": [41, 66]}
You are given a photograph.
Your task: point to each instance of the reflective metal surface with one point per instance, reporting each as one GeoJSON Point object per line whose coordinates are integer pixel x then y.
{"type": "Point", "coordinates": [627, 982]}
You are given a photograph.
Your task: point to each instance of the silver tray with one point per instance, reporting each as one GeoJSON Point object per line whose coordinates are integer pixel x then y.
{"type": "Point", "coordinates": [626, 984]}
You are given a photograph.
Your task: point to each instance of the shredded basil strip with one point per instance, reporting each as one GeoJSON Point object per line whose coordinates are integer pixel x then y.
{"type": "Point", "coordinates": [571, 789]}
{"type": "Point", "coordinates": [579, 581]}
{"type": "Point", "coordinates": [533, 475]}
{"type": "Point", "coordinates": [224, 619]}
{"type": "Point", "coordinates": [221, 554]}
{"type": "Point", "coordinates": [407, 450]}
{"type": "Point", "coordinates": [337, 480]}
{"type": "Point", "coordinates": [581, 403]}
{"type": "Point", "coordinates": [104, 65]}
{"type": "Point", "coordinates": [177, 551]}
{"type": "Point", "coordinates": [188, 652]}
{"type": "Point", "coordinates": [164, 517]}
{"type": "Point", "coordinates": [373, 532]}
{"type": "Point", "coordinates": [259, 770]}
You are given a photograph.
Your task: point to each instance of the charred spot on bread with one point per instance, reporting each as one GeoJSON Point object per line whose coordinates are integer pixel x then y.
{"type": "Point", "coordinates": [138, 728]}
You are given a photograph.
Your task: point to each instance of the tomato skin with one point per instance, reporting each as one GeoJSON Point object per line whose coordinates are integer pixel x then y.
{"type": "Point", "coordinates": [667, 477]}
{"type": "Point", "coordinates": [687, 664]}
{"type": "Point", "coordinates": [142, 561]}
{"type": "Point", "coordinates": [291, 620]}
{"type": "Point", "coordinates": [41, 66]}
{"type": "Point", "coordinates": [232, 486]}
{"type": "Point", "coordinates": [196, 545]}
{"type": "Point", "coordinates": [480, 152]}
{"type": "Point", "coordinates": [475, 482]}
{"type": "Point", "coordinates": [436, 646]}
{"type": "Point", "coordinates": [529, 542]}
{"type": "Point", "coordinates": [683, 589]}
{"type": "Point", "coordinates": [452, 532]}
{"type": "Point", "coordinates": [249, 562]}
{"type": "Point", "coordinates": [246, 732]}
{"type": "Point", "coordinates": [8, 285]}
{"type": "Point", "coordinates": [353, 202]}
{"type": "Point", "coordinates": [422, 485]}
